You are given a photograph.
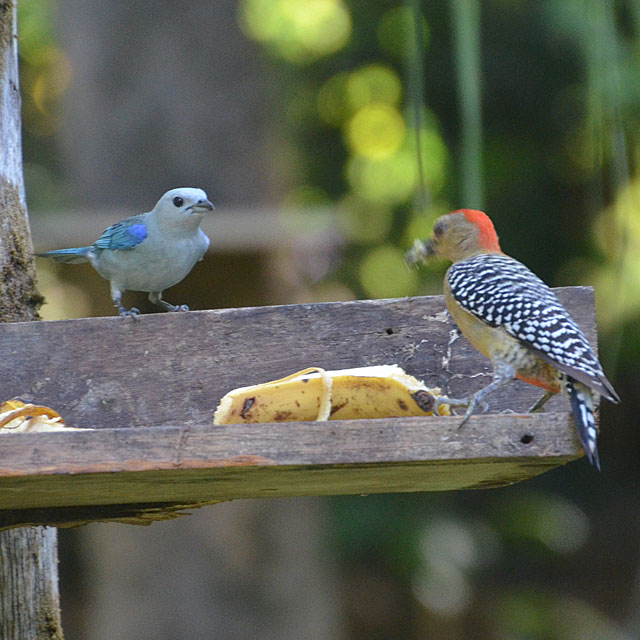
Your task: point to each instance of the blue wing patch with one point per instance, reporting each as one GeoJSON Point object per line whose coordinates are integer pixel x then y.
{"type": "Point", "coordinates": [123, 235]}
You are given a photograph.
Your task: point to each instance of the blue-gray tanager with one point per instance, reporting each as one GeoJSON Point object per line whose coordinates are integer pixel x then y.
{"type": "Point", "coordinates": [149, 252]}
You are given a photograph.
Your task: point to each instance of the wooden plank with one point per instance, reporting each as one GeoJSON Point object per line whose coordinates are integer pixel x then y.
{"type": "Point", "coordinates": [53, 476]}
{"type": "Point", "coordinates": [150, 387]}
{"type": "Point", "coordinates": [173, 368]}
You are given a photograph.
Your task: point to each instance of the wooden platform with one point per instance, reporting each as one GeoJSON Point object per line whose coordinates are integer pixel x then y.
{"type": "Point", "coordinates": [149, 388]}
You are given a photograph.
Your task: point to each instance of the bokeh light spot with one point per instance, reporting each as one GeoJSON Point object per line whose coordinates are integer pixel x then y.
{"type": "Point", "coordinates": [297, 30]}
{"type": "Point", "coordinates": [383, 274]}
{"type": "Point", "coordinates": [388, 180]}
{"type": "Point", "coordinates": [376, 131]}
{"type": "Point", "coordinates": [373, 83]}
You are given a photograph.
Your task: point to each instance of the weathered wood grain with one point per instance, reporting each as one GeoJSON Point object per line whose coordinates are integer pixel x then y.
{"type": "Point", "coordinates": [173, 368]}
{"type": "Point", "coordinates": [150, 387]}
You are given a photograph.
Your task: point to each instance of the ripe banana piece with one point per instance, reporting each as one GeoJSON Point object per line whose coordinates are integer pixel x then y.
{"type": "Point", "coordinates": [380, 391]}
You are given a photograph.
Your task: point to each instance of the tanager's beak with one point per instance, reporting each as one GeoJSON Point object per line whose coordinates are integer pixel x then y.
{"type": "Point", "coordinates": [202, 206]}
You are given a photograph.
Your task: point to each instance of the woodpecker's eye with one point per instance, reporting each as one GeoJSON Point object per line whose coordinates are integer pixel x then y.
{"type": "Point", "coordinates": [178, 201]}
{"type": "Point", "coordinates": [438, 229]}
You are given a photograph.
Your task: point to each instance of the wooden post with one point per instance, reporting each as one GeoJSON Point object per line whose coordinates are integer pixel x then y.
{"type": "Point", "coordinates": [29, 601]}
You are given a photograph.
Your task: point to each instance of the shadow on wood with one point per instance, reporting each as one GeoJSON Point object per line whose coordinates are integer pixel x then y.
{"type": "Point", "coordinates": [150, 387]}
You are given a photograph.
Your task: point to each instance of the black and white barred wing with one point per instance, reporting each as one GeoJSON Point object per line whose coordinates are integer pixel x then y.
{"type": "Point", "coordinates": [502, 292]}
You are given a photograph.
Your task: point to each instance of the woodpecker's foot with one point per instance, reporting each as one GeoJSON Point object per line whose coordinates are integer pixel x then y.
{"type": "Point", "coordinates": [473, 403]}
{"type": "Point", "coordinates": [131, 313]}
{"type": "Point", "coordinates": [467, 415]}
{"type": "Point", "coordinates": [451, 402]}
{"type": "Point", "coordinates": [538, 406]}
{"type": "Point", "coordinates": [470, 403]}
{"type": "Point", "coordinates": [454, 402]}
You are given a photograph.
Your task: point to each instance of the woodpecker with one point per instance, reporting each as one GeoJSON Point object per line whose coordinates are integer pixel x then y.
{"type": "Point", "coordinates": [512, 317]}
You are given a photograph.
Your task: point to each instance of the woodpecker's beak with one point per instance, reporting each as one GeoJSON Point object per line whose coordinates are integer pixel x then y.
{"type": "Point", "coordinates": [420, 251]}
{"type": "Point", "coordinates": [201, 206]}
{"type": "Point", "coordinates": [429, 249]}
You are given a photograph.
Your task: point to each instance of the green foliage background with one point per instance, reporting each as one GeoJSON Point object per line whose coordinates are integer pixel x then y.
{"type": "Point", "coordinates": [530, 110]}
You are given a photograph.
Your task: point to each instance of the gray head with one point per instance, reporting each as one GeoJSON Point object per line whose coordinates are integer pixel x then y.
{"type": "Point", "coordinates": [185, 205]}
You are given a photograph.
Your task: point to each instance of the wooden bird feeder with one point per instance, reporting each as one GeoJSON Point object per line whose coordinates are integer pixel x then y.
{"type": "Point", "coordinates": [147, 389]}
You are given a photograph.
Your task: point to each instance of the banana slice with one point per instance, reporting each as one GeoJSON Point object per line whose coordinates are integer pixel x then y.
{"type": "Point", "coordinates": [18, 417]}
{"type": "Point", "coordinates": [380, 391]}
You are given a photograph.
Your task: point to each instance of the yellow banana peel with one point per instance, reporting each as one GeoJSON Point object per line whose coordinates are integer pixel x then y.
{"type": "Point", "coordinates": [19, 417]}
{"type": "Point", "coordinates": [380, 391]}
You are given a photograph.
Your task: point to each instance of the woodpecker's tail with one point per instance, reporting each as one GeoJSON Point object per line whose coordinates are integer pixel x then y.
{"type": "Point", "coordinates": [72, 256]}
{"type": "Point", "coordinates": [582, 406]}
